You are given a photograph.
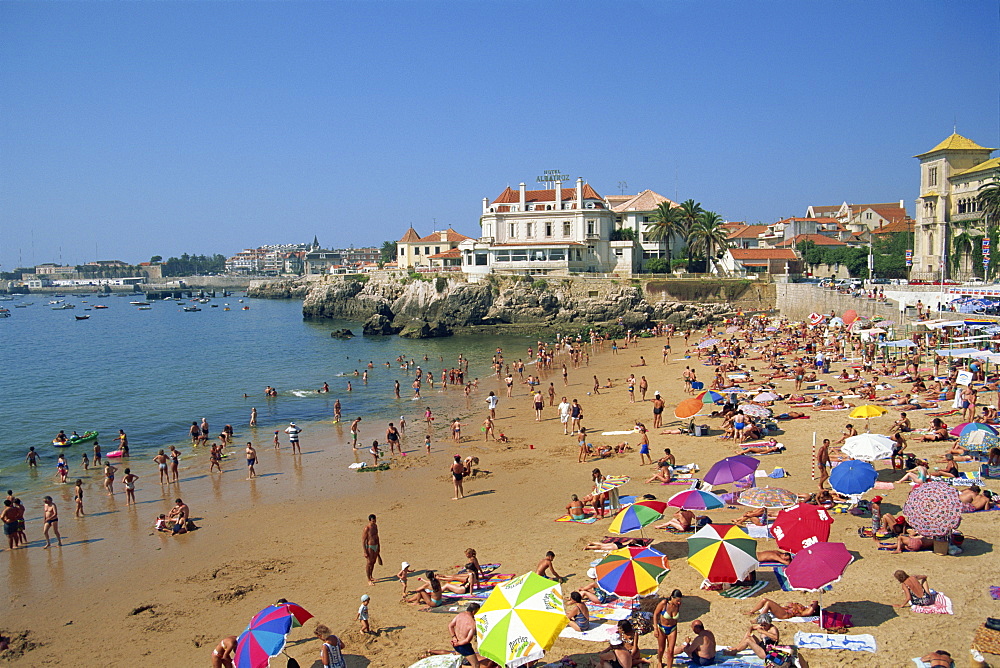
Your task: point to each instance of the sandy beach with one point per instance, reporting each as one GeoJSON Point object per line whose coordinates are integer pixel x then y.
{"type": "Point", "coordinates": [120, 594]}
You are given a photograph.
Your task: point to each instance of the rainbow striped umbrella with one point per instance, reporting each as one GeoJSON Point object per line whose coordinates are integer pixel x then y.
{"type": "Point", "coordinates": [264, 636]}
{"type": "Point", "coordinates": [632, 571]}
{"type": "Point", "coordinates": [610, 482]}
{"type": "Point", "coordinates": [637, 515]}
{"type": "Point", "coordinates": [695, 499]}
{"type": "Point", "coordinates": [722, 553]}
{"type": "Point", "coordinates": [709, 397]}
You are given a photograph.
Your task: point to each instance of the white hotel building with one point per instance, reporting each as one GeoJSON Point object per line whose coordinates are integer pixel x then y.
{"type": "Point", "coordinates": [542, 232]}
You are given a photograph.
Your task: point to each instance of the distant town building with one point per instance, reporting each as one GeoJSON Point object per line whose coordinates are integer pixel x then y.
{"type": "Point", "coordinates": [951, 175]}
{"type": "Point", "coordinates": [271, 260]}
{"type": "Point", "coordinates": [540, 232]}
{"type": "Point", "coordinates": [861, 217]}
{"type": "Point", "coordinates": [51, 269]}
{"type": "Point", "coordinates": [434, 250]}
{"type": "Point", "coordinates": [746, 261]}
{"type": "Point", "coordinates": [636, 213]}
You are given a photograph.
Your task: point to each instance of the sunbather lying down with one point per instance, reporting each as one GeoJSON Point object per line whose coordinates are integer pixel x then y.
{"type": "Point", "coordinates": [753, 516]}
{"type": "Point", "coordinates": [681, 521]}
{"type": "Point", "coordinates": [791, 609]}
{"type": "Point", "coordinates": [616, 543]}
{"type": "Point", "coordinates": [779, 556]}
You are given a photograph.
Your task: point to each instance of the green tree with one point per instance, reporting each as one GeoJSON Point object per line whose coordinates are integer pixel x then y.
{"type": "Point", "coordinates": [666, 223]}
{"type": "Point", "coordinates": [690, 212]}
{"type": "Point", "coordinates": [155, 259]}
{"type": "Point", "coordinates": [962, 243]}
{"type": "Point", "coordinates": [708, 236]}
{"type": "Point", "coordinates": [658, 265]}
{"type": "Point", "coordinates": [388, 252]}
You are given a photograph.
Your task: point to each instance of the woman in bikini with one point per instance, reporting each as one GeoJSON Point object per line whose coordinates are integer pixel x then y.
{"type": "Point", "coordinates": [665, 625]}
{"type": "Point", "coordinates": [915, 587]}
{"type": "Point", "coordinates": [578, 613]}
{"type": "Point", "coordinates": [432, 597]}
{"type": "Point", "coordinates": [787, 611]}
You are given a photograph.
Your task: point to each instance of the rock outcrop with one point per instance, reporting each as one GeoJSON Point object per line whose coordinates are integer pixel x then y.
{"type": "Point", "coordinates": [423, 308]}
{"type": "Point", "coordinates": [282, 289]}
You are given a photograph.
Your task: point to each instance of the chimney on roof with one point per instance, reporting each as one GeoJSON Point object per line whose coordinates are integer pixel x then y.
{"type": "Point", "coordinates": [558, 195]}
{"type": "Point", "coordinates": [486, 204]}
{"type": "Point", "coordinates": [901, 205]}
{"type": "Point", "coordinates": [579, 192]}
{"type": "Point", "coordinates": [521, 188]}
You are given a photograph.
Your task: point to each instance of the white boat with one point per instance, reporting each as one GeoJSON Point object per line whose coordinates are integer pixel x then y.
{"type": "Point", "coordinates": [63, 307]}
{"type": "Point", "coordinates": [139, 303]}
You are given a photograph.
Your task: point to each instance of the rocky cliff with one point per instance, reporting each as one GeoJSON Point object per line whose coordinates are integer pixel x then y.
{"type": "Point", "coordinates": [420, 308]}
{"type": "Point", "coordinates": [295, 288]}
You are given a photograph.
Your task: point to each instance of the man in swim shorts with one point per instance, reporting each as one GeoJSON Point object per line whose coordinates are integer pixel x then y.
{"type": "Point", "coordinates": [51, 519]}
{"type": "Point", "coordinates": [463, 632]}
{"type": "Point", "coordinates": [293, 437]}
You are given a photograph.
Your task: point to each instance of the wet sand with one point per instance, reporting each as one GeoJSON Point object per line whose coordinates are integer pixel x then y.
{"type": "Point", "coordinates": [120, 594]}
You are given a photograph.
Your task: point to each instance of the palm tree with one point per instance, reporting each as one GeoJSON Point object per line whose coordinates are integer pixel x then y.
{"type": "Point", "coordinates": [666, 222]}
{"type": "Point", "coordinates": [989, 202]}
{"type": "Point", "coordinates": [689, 214]}
{"type": "Point", "coordinates": [962, 245]}
{"type": "Point", "coordinates": [708, 236]}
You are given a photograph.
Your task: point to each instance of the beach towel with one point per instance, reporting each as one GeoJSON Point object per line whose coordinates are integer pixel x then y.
{"type": "Point", "coordinates": [944, 413]}
{"type": "Point", "coordinates": [601, 630]}
{"type": "Point", "coordinates": [589, 519]}
{"type": "Point", "coordinates": [617, 433]}
{"type": "Point", "coordinates": [940, 606]}
{"type": "Point", "coordinates": [755, 531]}
{"type": "Point", "coordinates": [995, 593]}
{"type": "Point", "coordinates": [745, 659]}
{"type": "Point", "coordinates": [625, 541]}
{"type": "Point", "coordinates": [484, 568]}
{"type": "Point", "coordinates": [856, 643]}
{"type": "Point", "coordinates": [884, 485]}
{"type": "Point", "coordinates": [799, 620]}
{"type": "Point", "coordinates": [745, 591]}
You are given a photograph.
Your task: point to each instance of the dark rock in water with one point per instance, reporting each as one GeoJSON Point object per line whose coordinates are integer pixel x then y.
{"type": "Point", "coordinates": [342, 334]}
{"type": "Point", "coordinates": [421, 329]}
{"type": "Point", "coordinates": [379, 325]}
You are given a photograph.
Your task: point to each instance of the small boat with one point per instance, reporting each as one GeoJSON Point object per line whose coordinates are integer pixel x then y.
{"type": "Point", "coordinates": [100, 306]}
{"type": "Point", "coordinates": [63, 307]}
{"type": "Point", "coordinates": [145, 308]}
{"type": "Point", "coordinates": [56, 301]}
{"type": "Point", "coordinates": [82, 317]}
{"type": "Point", "coordinates": [191, 308]}
{"type": "Point", "coordinates": [227, 309]}
{"type": "Point", "coordinates": [215, 306]}
{"type": "Point", "coordinates": [204, 300]}
{"type": "Point", "coordinates": [20, 306]}
{"type": "Point", "coordinates": [87, 436]}
{"type": "Point", "coordinates": [241, 301]}
{"type": "Point", "coordinates": [139, 303]}
{"type": "Point", "coordinates": [6, 298]}
{"type": "Point", "coordinates": [4, 313]}
{"type": "Point", "coordinates": [246, 308]}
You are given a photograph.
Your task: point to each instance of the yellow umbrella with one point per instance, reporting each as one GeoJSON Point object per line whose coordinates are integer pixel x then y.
{"type": "Point", "coordinates": [867, 412]}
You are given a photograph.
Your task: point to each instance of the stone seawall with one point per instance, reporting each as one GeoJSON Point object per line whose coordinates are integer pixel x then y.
{"type": "Point", "coordinates": [797, 300]}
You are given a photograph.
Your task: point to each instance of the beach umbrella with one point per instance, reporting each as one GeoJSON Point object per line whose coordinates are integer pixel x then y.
{"type": "Point", "coordinates": [708, 343]}
{"type": "Point", "coordinates": [688, 408]}
{"type": "Point", "coordinates": [800, 526]}
{"type": "Point", "coordinates": [850, 316]}
{"type": "Point", "coordinates": [933, 509]}
{"type": "Point", "coordinates": [632, 571]}
{"type": "Point", "coordinates": [611, 482]}
{"type": "Point", "coordinates": [722, 553]}
{"type": "Point", "coordinates": [818, 566]}
{"type": "Point", "coordinates": [637, 515]}
{"type": "Point", "coordinates": [753, 410]}
{"type": "Point", "coordinates": [836, 321]}
{"type": "Point", "coordinates": [853, 477]}
{"type": "Point", "coordinates": [264, 636]}
{"type": "Point", "coordinates": [520, 620]}
{"type": "Point", "coordinates": [816, 318]}
{"type": "Point", "coordinates": [867, 412]}
{"type": "Point", "coordinates": [731, 469]}
{"type": "Point", "coordinates": [695, 499]}
{"type": "Point", "coordinates": [768, 497]}
{"type": "Point", "coordinates": [970, 427]}
{"type": "Point", "coordinates": [772, 328]}
{"type": "Point", "coordinates": [732, 329]}
{"type": "Point", "coordinates": [766, 396]}
{"type": "Point", "coordinates": [868, 447]}
{"type": "Point", "coordinates": [979, 439]}
{"type": "Point", "coordinates": [709, 397]}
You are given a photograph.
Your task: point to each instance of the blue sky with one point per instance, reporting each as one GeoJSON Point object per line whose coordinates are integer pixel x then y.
{"type": "Point", "coordinates": [138, 128]}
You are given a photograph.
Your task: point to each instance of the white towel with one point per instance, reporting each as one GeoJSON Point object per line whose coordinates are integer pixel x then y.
{"type": "Point", "coordinates": [600, 630]}
{"type": "Point", "coordinates": [755, 531]}
{"type": "Point", "coordinates": [799, 620]}
{"type": "Point", "coordinates": [857, 643]}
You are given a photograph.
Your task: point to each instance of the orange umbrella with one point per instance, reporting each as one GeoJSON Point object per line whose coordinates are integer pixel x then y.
{"type": "Point", "coordinates": [688, 408]}
{"type": "Point", "coordinates": [849, 316]}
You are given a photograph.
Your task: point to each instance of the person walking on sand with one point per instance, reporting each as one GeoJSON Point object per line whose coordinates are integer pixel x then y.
{"type": "Point", "coordinates": [355, 429]}
{"type": "Point", "coordinates": [463, 631]}
{"type": "Point", "coordinates": [109, 478]}
{"type": "Point", "coordinates": [253, 417]}
{"type": "Point", "coordinates": [564, 410]}
{"type": "Point", "coordinates": [644, 457]}
{"type": "Point", "coordinates": [251, 461]}
{"type": "Point", "coordinates": [175, 458]}
{"type": "Point", "coordinates": [293, 437]}
{"type": "Point", "coordinates": [372, 547]}
{"type": "Point", "coordinates": [363, 614]}
{"type": "Point", "coordinates": [78, 498]}
{"type": "Point", "coordinates": [129, 481]}
{"type": "Point", "coordinates": [539, 404]}
{"type": "Point", "coordinates": [823, 461]}
{"type": "Point", "coordinates": [581, 439]}
{"type": "Point", "coordinates": [488, 429]}
{"type": "Point", "coordinates": [161, 464]}
{"type": "Point", "coordinates": [457, 473]}
{"type": "Point", "coordinates": [51, 519]}
{"type": "Point", "coordinates": [643, 387]}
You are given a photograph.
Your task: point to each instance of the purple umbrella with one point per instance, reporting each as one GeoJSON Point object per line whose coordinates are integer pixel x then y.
{"type": "Point", "coordinates": [933, 509]}
{"type": "Point", "coordinates": [731, 469]}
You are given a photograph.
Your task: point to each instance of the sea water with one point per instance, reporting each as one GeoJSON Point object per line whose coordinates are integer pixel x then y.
{"type": "Point", "coordinates": [153, 372]}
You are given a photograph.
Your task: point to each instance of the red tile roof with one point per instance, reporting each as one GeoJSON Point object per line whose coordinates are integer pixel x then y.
{"type": "Point", "coordinates": [747, 231]}
{"type": "Point", "coordinates": [510, 196]}
{"type": "Point", "coordinates": [451, 236]}
{"type": "Point", "coordinates": [446, 255]}
{"type": "Point", "coordinates": [818, 239]}
{"type": "Point", "coordinates": [411, 235]}
{"type": "Point", "coordinates": [901, 225]}
{"type": "Point", "coordinates": [763, 254]}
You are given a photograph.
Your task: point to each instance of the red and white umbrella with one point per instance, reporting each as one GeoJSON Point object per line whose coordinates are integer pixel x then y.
{"type": "Point", "coordinates": [800, 526]}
